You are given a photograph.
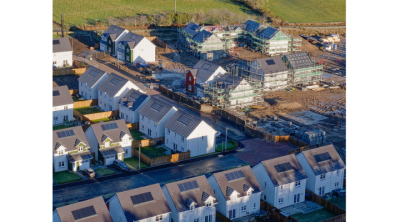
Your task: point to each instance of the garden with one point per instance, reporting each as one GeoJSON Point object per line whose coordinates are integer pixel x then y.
{"type": "Point", "coordinates": [134, 163]}
{"type": "Point", "coordinates": [65, 177]}
{"type": "Point", "coordinates": [152, 151]}
{"type": "Point", "coordinates": [104, 172]}
{"type": "Point", "coordinates": [88, 110]}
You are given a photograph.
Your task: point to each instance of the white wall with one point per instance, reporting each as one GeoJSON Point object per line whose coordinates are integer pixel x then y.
{"type": "Point", "coordinates": [174, 213]}
{"type": "Point", "coordinates": [221, 206]}
{"type": "Point", "coordinates": [94, 145]}
{"type": "Point", "coordinates": [126, 146]}
{"type": "Point", "coordinates": [116, 212]}
{"type": "Point", "coordinates": [59, 112]}
{"type": "Point", "coordinates": [265, 182]}
{"type": "Point", "coordinates": [156, 131]}
{"type": "Point", "coordinates": [59, 58]}
{"type": "Point", "coordinates": [165, 218]}
{"type": "Point", "coordinates": [130, 115]}
{"type": "Point", "coordinates": [56, 218]}
{"type": "Point", "coordinates": [114, 101]}
{"type": "Point", "coordinates": [91, 93]}
{"type": "Point", "coordinates": [57, 159]}
{"type": "Point", "coordinates": [144, 52]}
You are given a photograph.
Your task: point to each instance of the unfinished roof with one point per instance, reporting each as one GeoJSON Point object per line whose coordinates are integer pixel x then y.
{"type": "Point", "coordinates": [229, 80]}
{"type": "Point", "coordinates": [153, 203]}
{"type": "Point", "coordinates": [68, 138]}
{"type": "Point", "coordinates": [183, 123]}
{"type": "Point", "coordinates": [202, 36]}
{"type": "Point", "coordinates": [205, 69]}
{"type": "Point", "coordinates": [104, 130]}
{"type": "Point", "coordinates": [192, 28]}
{"type": "Point", "coordinates": [62, 45]}
{"type": "Point", "coordinates": [112, 84]}
{"type": "Point", "coordinates": [196, 194]}
{"type": "Point", "coordinates": [284, 170]}
{"type": "Point", "coordinates": [93, 210]}
{"type": "Point", "coordinates": [299, 60]}
{"type": "Point", "coordinates": [114, 32]}
{"type": "Point", "coordinates": [133, 99]}
{"type": "Point", "coordinates": [252, 26]}
{"type": "Point", "coordinates": [61, 96]}
{"type": "Point", "coordinates": [324, 159]}
{"type": "Point", "coordinates": [234, 179]}
{"type": "Point", "coordinates": [156, 108]}
{"type": "Point", "coordinates": [271, 65]}
{"type": "Point", "coordinates": [91, 76]}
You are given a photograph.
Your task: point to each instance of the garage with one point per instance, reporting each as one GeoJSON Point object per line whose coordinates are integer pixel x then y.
{"type": "Point", "coordinates": [109, 159]}
{"type": "Point", "coordinates": [109, 154]}
{"type": "Point", "coordinates": [85, 165]}
{"type": "Point", "coordinates": [79, 161]}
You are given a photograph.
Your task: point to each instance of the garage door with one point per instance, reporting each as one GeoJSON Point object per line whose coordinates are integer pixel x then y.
{"type": "Point", "coordinates": [85, 165]}
{"type": "Point", "coordinates": [109, 159]}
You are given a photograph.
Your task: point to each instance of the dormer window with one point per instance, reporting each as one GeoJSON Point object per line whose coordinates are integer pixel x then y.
{"type": "Point", "coordinates": [159, 218]}
{"type": "Point", "coordinates": [107, 144]}
{"type": "Point", "coordinates": [248, 193]}
{"type": "Point", "coordinates": [234, 197]}
{"type": "Point", "coordinates": [60, 152]}
{"type": "Point", "coordinates": [80, 148]}
{"type": "Point", "coordinates": [208, 204]}
{"type": "Point", "coordinates": [192, 207]}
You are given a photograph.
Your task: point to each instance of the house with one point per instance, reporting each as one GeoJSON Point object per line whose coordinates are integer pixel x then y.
{"type": "Point", "coordinates": [191, 200]}
{"type": "Point", "coordinates": [109, 141]}
{"type": "Point", "coordinates": [110, 39]}
{"type": "Point", "coordinates": [130, 104]}
{"type": "Point", "coordinates": [92, 210]}
{"type": "Point", "coordinates": [71, 150]}
{"type": "Point", "coordinates": [324, 168]}
{"type": "Point", "coordinates": [145, 204]}
{"type": "Point", "coordinates": [237, 191]}
{"type": "Point", "coordinates": [271, 71]}
{"type": "Point", "coordinates": [63, 105]}
{"type": "Point", "coordinates": [283, 180]}
{"type": "Point", "coordinates": [133, 48]}
{"type": "Point", "coordinates": [62, 52]}
{"type": "Point", "coordinates": [89, 82]}
{"type": "Point", "coordinates": [184, 131]}
{"type": "Point", "coordinates": [302, 69]}
{"type": "Point", "coordinates": [113, 88]}
{"type": "Point", "coordinates": [153, 115]}
{"type": "Point", "coordinates": [202, 73]}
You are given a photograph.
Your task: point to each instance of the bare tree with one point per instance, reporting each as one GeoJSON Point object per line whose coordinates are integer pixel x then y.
{"type": "Point", "coordinates": [143, 20]}
{"type": "Point", "coordinates": [263, 19]}
{"type": "Point", "coordinates": [201, 17]}
{"type": "Point", "coordinates": [213, 14]}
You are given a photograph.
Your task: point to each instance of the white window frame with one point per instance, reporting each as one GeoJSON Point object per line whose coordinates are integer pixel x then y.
{"type": "Point", "coordinates": [107, 144]}
{"type": "Point", "coordinates": [243, 208]}
{"type": "Point", "coordinates": [280, 200]}
{"type": "Point", "coordinates": [61, 164]}
{"type": "Point", "coordinates": [190, 78]}
{"type": "Point", "coordinates": [297, 184]}
{"type": "Point", "coordinates": [192, 207]}
{"type": "Point", "coordinates": [322, 176]}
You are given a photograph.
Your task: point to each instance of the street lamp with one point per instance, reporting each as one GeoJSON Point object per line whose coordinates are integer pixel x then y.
{"type": "Point", "coordinates": [226, 139]}
{"type": "Point", "coordinates": [139, 154]}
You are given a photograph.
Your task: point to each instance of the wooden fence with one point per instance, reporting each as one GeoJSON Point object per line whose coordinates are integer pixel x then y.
{"type": "Point", "coordinates": [221, 218]}
{"type": "Point", "coordinates": [147, 142]}
{"type": "Point", "coordinates": [133, 126]}
{"type": "Point", "coordinates": [339, 218]}
{"type": "Point", "coordinates": [70, 71]}
{"type": "Point", "coordinates": [85, 103]}
{"type": "Point", "coordinates": [326, 204]}
{"type": "Point", "coordinates": [73, 92]}
{"type": "Point", "coordinates": [275, 212]}
{"type": "Point", "coordinates": [162, 159]}
{"type": "Point", "coordinates": [298, 150]}
{"type": "Point", "coordinates": [94, 116]}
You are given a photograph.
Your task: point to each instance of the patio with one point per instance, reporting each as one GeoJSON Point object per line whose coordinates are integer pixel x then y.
{"type": "Point", "coordinates": [251, 217]}
{"type": "Point", "coordinates": [303, 207]}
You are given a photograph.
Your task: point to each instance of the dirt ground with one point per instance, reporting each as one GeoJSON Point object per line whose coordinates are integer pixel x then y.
{"type": "Point", "coordinates": [78, 46]}
{"type": "Point", "coordinates": [70, 80]}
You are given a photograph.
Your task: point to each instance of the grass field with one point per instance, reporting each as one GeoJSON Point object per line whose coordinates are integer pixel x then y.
{"type": "Point", "coordinates": [221, 146]}
{"type": "Point", "coordinates": [315, 216]}
{"type": "Point", "coordinates": [104, 172]}
{"type": "Point", "coordinates": [339, 201]}
{"type": "Point", "coordinates": [103, 119]}
{"type": "Point", "coordinates": [65, 177]}
{"type": "Point", "coordinates": [102, 9]}
{"type": "Point", "coordinates": [88, 110]}
{"type": "Point", "coordinates": [61, 127]}
{"type": "Point", "coordinates": [151, 151]}
{"type": "Point", "coordinates": [309, 10]}
{"type": "Point", "coordinates": [134, 163]}
{"type": "Point", "coordinates": [136, 135]}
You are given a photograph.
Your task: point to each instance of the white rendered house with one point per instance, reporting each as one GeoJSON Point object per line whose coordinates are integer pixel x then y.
{"type": "Point", "coordinates": [145, 204]}
{"type": "Point", "coordinates": [153, 116]}
{"type": "Point", "coordinates": [272, 72]}
{"type": "Point", "coordinates": [62, 52]}
{"type": "Point", "coordinates": [130, 104]}
{"type": "Point", "coordinates": [89, 81]}
{"type": "Point", "coordinates": [113, 88]}
{"type": "Point", "coordinates": [324, 168]}
{"type": "Point", "coordinates": [71, 150]}
{"type": "Point", "coordinates": [184, 132]}
{"type": "Point", "coordinates": [109, 141]}
{"type": "Point", "coordinates": [111, 38]}
{"type": "Point", "coordinates": [191, 200]}
{"type": "Point", "coordinates": [237, 191]}
{"type": "Point", "coordinates": [283, 180]}
{"type": "Point", "coordinates": [63, 105]}
{"type": "Point", "coordinates": [133, 48]}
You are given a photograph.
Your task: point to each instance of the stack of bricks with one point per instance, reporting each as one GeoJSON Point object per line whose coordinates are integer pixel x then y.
{"type": "Point", "coordinates": [315, 137]}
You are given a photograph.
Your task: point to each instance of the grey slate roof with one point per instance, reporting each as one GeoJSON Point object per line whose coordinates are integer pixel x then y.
{"type": "Point", "coordinates": [192, 28]}
{"type": "Point", "coordinates": [204, 69]}
{"type": "Point", "coordinates": [133, 99]}
{"type": "Point", "coordinates": [156, 108]}
{"type": "Point", "coordinates": [61, 45]}
{"type": "Point", "coordinates": [79, 157]}
{"type": "Point", "coordinates": [111, 88]}
{"type": "Point", "coordinates": [268, 33]}
{"type": "Point", "coordinates": [295, 174]}
{"type": "Point", "coordinates": [299, 60]}
{"type": "Point", "coordinates": [64, 98]}
{"type": "Point", "coordinates": [112, 150]}
{"type": "Point", "coordinates": [132, 39]}
{"type": "Point", "coordinates": [91, 76]}
{"type": "Point", "coordinates": [77, 142]}
{"type": "Point", "coordinates": [112, 134]}
{"type": "Point", "coordinates": [229, 80]}
{"type": "Point", "coordinates": [279, 66]}
{"type": "Point", "coordinates": [189, 202]}
{"type": "Point", "coordinates": [229, 191]}
{"type": "Point", "coordinates": [202, 36]}
{"type": "Point", "coordinates": [246, 187]}
{"type": "Point", "coordinates": [336, 163]}
{"type": "Point", "coordinates": [182, 123]}
{"type": "Point", "coordinates": [114, 32]}
{"type": "Point", "coordinates": [252, 26]}
{"type": "Point", "coordinates": [205, 196]}
{"type": "Point", "coordinates": [70, 141]}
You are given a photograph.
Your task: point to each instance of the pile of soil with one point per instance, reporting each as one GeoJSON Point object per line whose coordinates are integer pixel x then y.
{"type": "Point", "coordinates": [308, 47]}
{"type": "Point", "coordinates": [78, 47]}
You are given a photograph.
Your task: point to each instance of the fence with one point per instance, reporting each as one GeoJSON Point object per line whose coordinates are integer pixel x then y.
{"type": "Point", "coordinates": [95, 116]}
{"type": "Point", "coordinates": [326, 204]}
{"type": "Point", "coordinates": [73, 92]}
{"type": "Point", "coordinates": [339, 218]}
{"type": "Point", "coordinates": [162, 159]}
{"type": "Point", "coordinates": [85, 103]}
{"type": "Point", "coordinates": [133, 126]}
{"type": "Point", "coordinates": [298, 150]}
{"type": "Point", "coordinates": [275, 213]}
{"type": "Point", "coordinates": [147, 142]}
{"type": "Point", "coordinates": [221, 218]}
{"type": "Point", "coordinates": [71, 71]}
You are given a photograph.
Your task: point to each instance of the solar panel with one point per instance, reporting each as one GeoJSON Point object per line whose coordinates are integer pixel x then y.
{"type": "Point", "coordinates": [270, 62]}
{"type": "Point", "coordinates": [142, 198]}
{"type": "Point", "coordinates": [63, 134]}
{"type": "Point", "coordinates": [111, 126]}
{"type": "Point", "coordinates": [56, 42]}
{"type": "Point", "coordinates": [283, 167]}
{"type": "Point", "coordinates": [184, 120]}
{"type": "Point", "coordinates": [115, 125]}
{"type": "Point", "coordinates": [56, 93]}
{"type": "Point", "coordinates": [228, 177]}
{"type": "Point", "coordinates": [103, 127]}
{"type": "Point", "coordinates": [114, 81]}
{"type": "Point", "coordinates": [234, 175]}
{"type": "Point", "coordinates": [83, 213]}
{"type": "Point", "coordinates": [322, 157]}
{"type": "Point", "coordinates": [195, 184]}
{"type": "Point", "coordinates": [107, 127]}
{"type": "Point", "coordinates": [188, 186]}
{"type": "Point", "coordinates": [240, 173]}
{"type": "Point", "coordinates": [72, 132]}
{"type": "Point", "coordinates": [67, 133]}
{"type": "Point", "coordinates": [181, 187]}
{"type": "Point", "coordinates": [59, 134]}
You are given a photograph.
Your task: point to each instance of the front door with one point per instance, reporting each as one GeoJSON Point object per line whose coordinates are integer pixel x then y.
{"type": "Point", "coordinates": [119, 156]}
{"type": "Point", "coordinates": [109, 108]}
{"type": "Point", "coordinates": [321, 191]}
{"type": "Point", "coordinates": [149, 132]}
{"type": "Point", "coordinates": [296, 198]}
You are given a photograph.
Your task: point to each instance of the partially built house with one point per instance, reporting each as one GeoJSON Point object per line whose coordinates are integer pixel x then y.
{"type": "Point", "coordinates": [271, 71]}
{"type": "Point", "coordinates": [302, 70]}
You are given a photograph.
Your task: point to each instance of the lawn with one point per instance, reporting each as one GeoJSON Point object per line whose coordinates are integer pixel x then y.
{"type": "Point", "coordinates": [75, 99]}
{"type": "Point", "coordinates": [65, 177]}
{"type": "Point", "coordinates": [75, 10]}
{"type": "Point", "coordinates": [103, 119]}
{"type": "Point", "coordinates": [339, 201]}
{"type": "Point", "coordinates": [315, 216]}
{"type": "Point", "coordinates": [151, 151]}
{"type": "Point", "coordinates": [221, 146]}
{"type": "Point", "coordinates": [61, 127]}
{"type": "Point", "coordinates": [104, 172]}
{"type": "Point", "coordinates": [309, 10]}
{"type": "Point", "coordinates": [88, 110]}
{"type": "Point", "coordinates": [134, 163]}
{"type": "Point", "coordinates": [136, 135]}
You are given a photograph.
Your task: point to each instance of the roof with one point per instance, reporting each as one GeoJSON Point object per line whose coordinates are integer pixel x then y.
{"type": "Point", "coordinates": [192, 28]}
{"type": "Point", "coordinates": [132, 39]}
{"type": "Point", "coordinates": [230, 80]}
{"type": "Point", "coordinates": [299, 60]}
{"type": "Point", "coordinates": [196, 195]}
{"type": "Point", "coordinates": [68, 141]}
{"type": "Point", "coordinates": [91, 76]}
{"type": "Point", "coordinates": [205, 69]}
{"type": "Point", "coordinates": [248, 179]}
{"type": "Point", "coordinates": [193, 71]}
{"type": "Point", "coordinates": [79, 157]}
{"type": "Point", "coordinates": [156, 108]}
{"type": "Point", "coordinates": [111, 151]}
{"type": "Point", "coordinates": [331, 164]}
{"type": "Point", "coordinates": [77, 210]}
{"type": "Point", "coordinates": [252, 26]}
{"type": "Point", "coordinates": [62, 45]}
{"type": "Point", "coordinates": [183, 123]}
{"type": "Point", "coordinates": [202, 36]}
{"type": "Point", "coordinates": [133, 99]}
{"type": "Point", "coordinates": [271, 65]}
{"type": "Point", "coordinates": [112, 84]}
{"type": "Point", "coordinates": [152, 208]}
{"type": "Point", "coordinates": [114, 32]}
{"type": "Point", "coordinates": [289, 174]}
{"type": "Point", "coordinates": [113, 134]}
{"type": "Point", "coordinates": [61, 96]}
{"type": "Point", "coordinates": [268, 33]}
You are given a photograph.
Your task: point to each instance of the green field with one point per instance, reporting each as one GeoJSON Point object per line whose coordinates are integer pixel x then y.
{"type": "Point", "coordinates": [339, 201]}
{"type": "Point", "coordinates": [65, 177]}
{"type": "Point", "coordinates": [104, 172]}
{"type": "Point", "coordinates": [88, 110]}
{"type": "Point", "coordinates": [75, 10]}
{"type": "Point", "coordinates": [134, 163]}
{"type": "Point", "coordinates": [309, 10]}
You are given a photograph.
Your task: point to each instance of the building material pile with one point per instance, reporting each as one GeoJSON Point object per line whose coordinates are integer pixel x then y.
{"type": "Point", "coordinates": [315, 137]}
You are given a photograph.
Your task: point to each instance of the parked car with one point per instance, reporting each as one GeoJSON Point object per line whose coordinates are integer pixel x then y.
{"type": "Point", "coordinates": [338, 192]}
{"type": "Point", "coordinates": [120, 165]}
{"type": "Point", "coordinates": [218, 134]}
{"type": "Point", "coordinates": [89, 172]}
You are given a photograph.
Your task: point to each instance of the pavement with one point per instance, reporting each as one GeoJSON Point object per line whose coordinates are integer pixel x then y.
{"type": "Point", "coordinates": [303, 207]}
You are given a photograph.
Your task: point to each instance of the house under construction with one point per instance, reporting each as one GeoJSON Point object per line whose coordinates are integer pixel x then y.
{"type": "Point", "coordinates": [302, 70]}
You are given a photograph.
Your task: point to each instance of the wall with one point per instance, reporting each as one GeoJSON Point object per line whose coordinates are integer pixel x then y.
{"type": "Point", "coordinates": [174, 213]}
{"type": "Point", "coordinates": [133, 116]}
{"type": "Point", "coordinates": [92, 93]}
{"type": "Point", "coordinates": [59, 57]}
{"type": "Point", "coordinates": [60, 112]}
{"type": "Point", "coordinates": [116, 212]}
{"type": "Point", "coordinates": [145, 52]}
{"type": "Point", "coordinates": [221, 206]}
{"type": "Point", "coordinates": [244, 201]}
{"type": "Point", "coordinates": [310, 184]}
{"type": "Point", "coordinates": [190, 81]}
{"type": "Point", "coordinates": [263, 178]}
{"type": "Point", "coordinates": [56, 218]}
{"type": "Point", "coordinates": [57, 159]}
{"type": "Point", "coordinates": [288, 192]}
{"type": "Point", "coordinates": [202, 140]}
{"type": "Point", "coordinates": [94, 145]}
{"type": "Point", "coordinates": [159, 129]}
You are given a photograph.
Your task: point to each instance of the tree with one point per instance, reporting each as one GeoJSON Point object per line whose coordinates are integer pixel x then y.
{"type": "Point", "coordinates": [212, 14]}
{"type": "Point", "coordinates": [143, 20]}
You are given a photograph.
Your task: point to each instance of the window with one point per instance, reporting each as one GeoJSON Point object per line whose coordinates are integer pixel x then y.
{"type": "Point", "coordinates": [127, 58]}
{"type": "Point", "coordinates": [296, 198]}
{"type": "Point", "coordinates": [190, 78]}
{"type": "Point", "coordinates": [169, 131]}
{"type": "Point", "coordinates": [322, 177]}
{"type": "Point", "coordinates": [56, 118]}
{"type": "Point", "coordinates": [337, 173]}
{"type": "Point", "coordinates": [202, 137]}
{"type": "Point", "coordinates": [142, 117]}
{"type": "Point", "coordinates": [175, 134]}
{"type": "Point", "coordinates": [196, 220]}
{"type": "Point", "coordinates": [243, 208]}
{"type": "Point", "coordinates": [233, 197]}
{"type": "Point", "coordinates": [61, 164]}
{"type": "Point", "coordinates": [265, 184]}
{"type": "Point", "coordinates": [100, 93]}
{"type": "Point", "coordinates": [167, 141]}
{"type": "Point", "coordinates": [192, 208]}
{"type": "Point", "coordinates": [208, 204]}
{"type": "Point", "coordinates": [80, 148]}
{"type": "Point", "coordinates": [281, 187]}
{"type": "Point", "coordinates": [60, 152]}
{"type": "Point", "coordinates": [127, 117]}
{"type": "Point", "coordinates": [107, 144]}
{"type": "Point", "coordinates": [127, 50]}
{"type": "Point", "coordinates": [337, 184]}
{"type": "Point", "coordinates": [109, 41]}
{"type": "Point", "coordinates": [297, 184]}
{"type": "Point", "coordinates": [183, 138]}
{"type": "Point", "coordinates": [190, 87]}
{"type": "Point", "coordinates": [54, 62]}
{"type": "Point", "coordinates": [280, 200]}
{"type": "Point", "coordinates": [321, 191]}
{"type": "Point", "coordinates": [265, 197]}
{"type": "Point", "coordinates": [65, 107]}
{"type": "Point", "coordinates": [155, 123]}
{"type": "Point", "coordinates": [208, 218]}
{"type": "Point", "coordinates": [126, 151]}
{"type": "Point", "coordinates": [183, 149]}
{"type": "Point", "coordinates": [254, 206]}
{"type": "Point", "coordinates": [159, 218]}
{"type": "Point", "coordinates": [248, 193]}
{"type": "Point", "coordinates": [142, 126]}
{"type": "Point", "coordinates": [214, 191]}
